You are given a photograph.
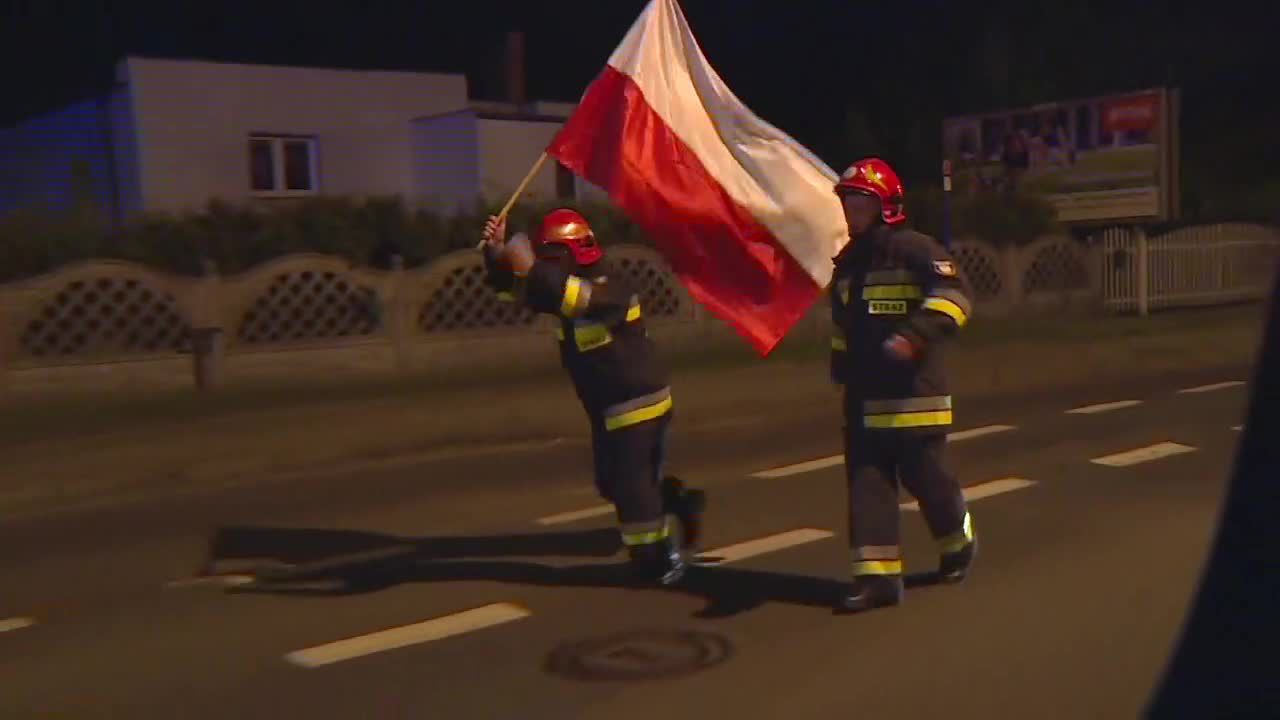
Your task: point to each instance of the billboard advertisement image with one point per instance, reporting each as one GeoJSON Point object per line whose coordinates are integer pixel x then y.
{"type": "Point", "coordinates": [1102, 159]}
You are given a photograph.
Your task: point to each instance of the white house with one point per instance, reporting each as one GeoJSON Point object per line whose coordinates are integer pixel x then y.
{"type": "Point", "coordinates": [486, 149]}
{"type": "Point", "coordinates": [174, 134]}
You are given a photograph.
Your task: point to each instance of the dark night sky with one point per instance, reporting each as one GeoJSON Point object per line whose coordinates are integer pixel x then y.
{"type": "Point", "coordinates": [798, 63]}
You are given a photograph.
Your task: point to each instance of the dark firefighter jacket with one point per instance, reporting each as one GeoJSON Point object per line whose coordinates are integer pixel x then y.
{"type": "Point", "coordinates": [615, 368]}
{"type": "Point", "coordinates": [895, 281]}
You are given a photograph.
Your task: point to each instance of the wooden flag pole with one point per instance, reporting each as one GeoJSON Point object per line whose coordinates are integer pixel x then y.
{"type": "Point", "coordinates": [519, 190]}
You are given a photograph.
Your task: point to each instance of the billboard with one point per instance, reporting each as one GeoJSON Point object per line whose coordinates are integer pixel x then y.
{"type": "Point", "coordinates": [1103, 159]}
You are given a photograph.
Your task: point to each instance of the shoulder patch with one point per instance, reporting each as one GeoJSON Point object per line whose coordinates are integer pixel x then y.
{"type": "Point", "coordinates": [945, 268]}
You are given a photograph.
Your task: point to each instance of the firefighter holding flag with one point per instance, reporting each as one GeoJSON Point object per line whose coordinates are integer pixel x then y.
{"type": "Point", "coordinates": [620, 379]}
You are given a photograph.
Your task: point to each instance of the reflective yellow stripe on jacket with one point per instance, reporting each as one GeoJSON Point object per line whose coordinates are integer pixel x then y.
{"type": "Point", "coordinates": [890, 277]}
{"type": "Point", "coordinates": [577, 296]}
{"type": "Point", "coordinates": [588, 335]}
{"type": "Point", "coordinates": [591, 335]}
{"type": "Point", "coordinates": [951, 303]}
{"type": "Point", "coordinates": [892, 292]}
{"type": "Point", "coordinates": [838, 341]}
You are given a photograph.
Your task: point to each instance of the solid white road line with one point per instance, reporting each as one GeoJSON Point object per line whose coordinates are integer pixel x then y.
{"type": "Point", "coordinates": [16, 623]}
{"type": "Point", "coordinates": [1211, 388]}
{"type": "Point", "coordinates": [1103, 407]}
{"type": "Point", "coordinates": [1141, 455]}
{"type": "Point", "coordinates": [982, 490]}
{"type": "Point", "coordinates": [427, 631]}
{"type": "Point", "coordinates": [575, 515]}
{"type": "Point", "coordinates": [834, 460]}
{"type": "Point", "coordinates": [771, 543]}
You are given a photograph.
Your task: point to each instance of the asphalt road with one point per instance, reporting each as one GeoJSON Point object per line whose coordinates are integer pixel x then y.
{"type": "Point", "coordinates": [471, 595]}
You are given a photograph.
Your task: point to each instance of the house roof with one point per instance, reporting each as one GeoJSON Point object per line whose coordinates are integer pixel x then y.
{"type": "Point", "coordinates": [124, 62]}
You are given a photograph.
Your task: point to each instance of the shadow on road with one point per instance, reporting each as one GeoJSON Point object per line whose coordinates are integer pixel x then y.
{"type": "Point", "coordinates": [324, 562]}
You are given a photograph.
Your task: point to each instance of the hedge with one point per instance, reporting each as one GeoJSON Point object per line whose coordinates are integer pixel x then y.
{"type": "Point", "coordinates": [365, 231]}
{"type": "Point", "coordinates": [1001, 219]}
{"type": "Point", "coordinates": [368, 231]}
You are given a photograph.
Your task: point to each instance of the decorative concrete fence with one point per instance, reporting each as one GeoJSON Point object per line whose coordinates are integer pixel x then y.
{"type": "Point", "coordinates": [110, 312]}
{"type": "Point", "coordinates": [437, 316]}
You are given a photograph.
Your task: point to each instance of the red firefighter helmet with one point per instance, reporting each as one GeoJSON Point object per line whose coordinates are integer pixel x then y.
{"type": "Point", "coordinates": [568, 228]}
{"type": "Point", "coordinates": [873, 176]}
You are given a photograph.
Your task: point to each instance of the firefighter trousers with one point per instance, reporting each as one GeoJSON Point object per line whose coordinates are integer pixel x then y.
{"type": "Point", "coordinates": [875, 462]}
{"type": "Point", "coordinates": [628, 464]}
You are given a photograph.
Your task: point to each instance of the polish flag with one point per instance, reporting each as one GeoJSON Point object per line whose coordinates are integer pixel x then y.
{"type": "Point", "coordinates": [745, 215]}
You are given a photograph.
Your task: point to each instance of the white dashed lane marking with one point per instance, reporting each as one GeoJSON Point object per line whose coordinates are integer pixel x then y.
{"type": "Point", "coordinates": [836, 460]}
{"type": "Point", "coordinates": [979, 432]}
{"type": "Point", "coordinates": [1103, 407]}
{"type": "Point", "coordinates": [1144, 454]}
{"type": "Point", "coordinates": [399, 637]}
{"type": "Point", "coordinates": [983, 490]}
{"type": "Point", "coordinates": [1238, 428]}
{"type": "Point", "coordinates": [488, 616]}
{"type": "Point", "coordinates": [576, 515]}
{"type": "Point", "coordinates": [17, 623]}
{"type": "Point", "coordinates": [803, 467]}
{"type": "Point", "coordinates": [1212, 387]}
{"type": "Point", "coordinates": [760, 546]}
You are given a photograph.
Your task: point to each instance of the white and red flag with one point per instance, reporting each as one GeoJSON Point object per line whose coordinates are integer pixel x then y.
{"type": "Point", "coordinates": [745, 215]}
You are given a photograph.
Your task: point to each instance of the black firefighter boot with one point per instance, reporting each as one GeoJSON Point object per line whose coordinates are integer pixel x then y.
{"type": "Point", "coordinates": [954, 566]}
{"type": "Point", "coordinates": [661, 562]}
{"type": "Point", "coordinates": [687, 505]}
{"type": "Point", "coordinates": [871, 591]}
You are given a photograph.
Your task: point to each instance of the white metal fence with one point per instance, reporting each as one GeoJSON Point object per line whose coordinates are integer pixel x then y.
{"type": "Point", "coordinates": [1201, 265]}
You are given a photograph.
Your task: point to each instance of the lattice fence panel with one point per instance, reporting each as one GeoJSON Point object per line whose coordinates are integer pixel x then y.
{"type": "Point", "coordinates": [981, 268]}
{"type": "Point", "coordinates": [660, 295]}
{"type": "Point", "coordinates": [103, 316]}
{"type": "Point", "coordinates": [310, 305]}
{"type": "Point", "coordinates": [1056, 267]}
{"type": "Point", "coordinates": [461, 301]}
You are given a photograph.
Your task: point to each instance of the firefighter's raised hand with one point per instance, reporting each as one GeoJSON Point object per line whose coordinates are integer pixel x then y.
{"type": "Point", "coordinates": [518, 254]}
{"type": "Point", "coordinates": [495, 232]}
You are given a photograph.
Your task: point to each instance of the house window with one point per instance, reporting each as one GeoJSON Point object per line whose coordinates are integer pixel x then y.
{"type": "Point", "coordinates": [282, 165]}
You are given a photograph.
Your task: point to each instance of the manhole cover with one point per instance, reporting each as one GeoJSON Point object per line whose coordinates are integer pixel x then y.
{"type": "Point", "coordinates": [640, 655]}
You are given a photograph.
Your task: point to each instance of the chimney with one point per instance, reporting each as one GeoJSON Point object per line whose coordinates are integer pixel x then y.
{"type": "Point", "coordinates": [515, 69]}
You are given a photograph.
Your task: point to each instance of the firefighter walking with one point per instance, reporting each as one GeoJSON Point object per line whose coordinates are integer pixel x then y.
{"type": "Point", "coordinates": [896, 297]}
{"type": "Point", "coordinates": [619, 378]}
